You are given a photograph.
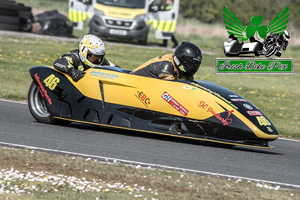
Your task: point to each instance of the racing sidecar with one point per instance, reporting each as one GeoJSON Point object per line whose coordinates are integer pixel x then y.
{"type": "Point", "coordinates": [113, 97]}
{"type": "Point", "coordinates": [235, 48]}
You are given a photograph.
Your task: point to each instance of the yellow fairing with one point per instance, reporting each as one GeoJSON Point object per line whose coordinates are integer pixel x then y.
{"type": "Point", "coordinates": [117, 12]}
{"type": "Point", "coordinates": [147, 93]}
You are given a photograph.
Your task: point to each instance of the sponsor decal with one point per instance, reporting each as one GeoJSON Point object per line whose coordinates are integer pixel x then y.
{"type": "Point", "coordinates": [188, 87]}
{"type": "Point", "coordinates": [247, 106]}
{"type": "Point", "coordinates": [263, 121]}
{"type": "Point", "coordinates": [42, 89]}
{"type": "Point", "coordinates": [143, 98]}
{"type": "Point", "coordinates": [269, 129]}
{"type": "Point", "coordinates": [239, 100]}
{"type": "Point", "coordinates": [215, 94]}
{"type": "Point", "coordinates": [225, 121]}
{"type": "Point", "coordinates": [110, 76]}
{"type": "Point", "coordinates": [254, 113]}
{"type": "Point", "coordinates": [175, 104]}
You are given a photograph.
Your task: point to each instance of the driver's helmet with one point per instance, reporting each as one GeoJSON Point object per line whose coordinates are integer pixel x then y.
{"type": "Point", "coordinates": [91, 51]}
{"type": "Point", "coordinates": [286, 34]}
{"type": "Point", "coordinates": [187, 58]}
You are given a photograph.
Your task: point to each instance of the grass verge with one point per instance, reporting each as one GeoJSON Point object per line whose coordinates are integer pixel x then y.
{"type": "Point", "coordinates": [27, 174]}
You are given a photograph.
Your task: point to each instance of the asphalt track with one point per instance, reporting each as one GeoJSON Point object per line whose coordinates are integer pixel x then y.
{"type": "Point", "coordinates": [280, 165]}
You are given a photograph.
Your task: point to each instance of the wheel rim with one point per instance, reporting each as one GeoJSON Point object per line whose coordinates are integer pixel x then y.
{"type": "Point", "coordinates": [37, 103]}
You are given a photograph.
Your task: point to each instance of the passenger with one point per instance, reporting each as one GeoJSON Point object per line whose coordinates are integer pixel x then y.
{"type": "Point", "coordinates": [183, 64]}
{"type": "Point", "coordinates": [90, 53]}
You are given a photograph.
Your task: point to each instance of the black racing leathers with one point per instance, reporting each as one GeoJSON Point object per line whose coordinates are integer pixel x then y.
{"type": "Point", "coordinates": [71, 64]}
{"type": "Point", "coordinates": [162, 67]}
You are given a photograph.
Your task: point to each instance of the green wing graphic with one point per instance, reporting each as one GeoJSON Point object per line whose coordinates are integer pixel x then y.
{"type": "Point", "coordinates": [233, 24]}
{"type": "Point", "coordinates": [279, 23]}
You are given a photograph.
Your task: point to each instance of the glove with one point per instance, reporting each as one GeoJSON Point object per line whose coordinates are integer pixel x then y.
{"type": "Point", "coordinates": [76, 74]}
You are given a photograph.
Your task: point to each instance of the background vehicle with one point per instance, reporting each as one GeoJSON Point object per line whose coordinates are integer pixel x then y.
{"type": "Point", "coordinates": [112, 97]}
{"type": "Point", "coordinates": [129, 19]}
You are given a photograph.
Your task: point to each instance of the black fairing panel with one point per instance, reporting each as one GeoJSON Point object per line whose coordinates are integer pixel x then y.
{"type": "Point", "coordinates": [230, 96]}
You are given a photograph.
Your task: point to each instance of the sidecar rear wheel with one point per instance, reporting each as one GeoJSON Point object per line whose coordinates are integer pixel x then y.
{"type": "Point", "coordinates": [38, 108]}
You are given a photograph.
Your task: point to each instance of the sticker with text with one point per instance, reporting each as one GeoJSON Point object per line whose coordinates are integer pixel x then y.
{"type": "Point", "coordinates": [175, 104]}
{"type": "Point", "coordinates": [254, 113]}
{"type": "Point", "coordinates": [225, 121]}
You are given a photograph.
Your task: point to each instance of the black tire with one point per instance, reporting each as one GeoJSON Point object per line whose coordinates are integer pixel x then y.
{"type": "Point", "coordinates": [10, 27]}
{"type": "Point", "coordinates": [144, 41]}
{"type": "Point", "coordinates": [38, 108]}
{"type": "Point", "coordinates": [10, 20]}
{"type": "Point", "coordinates": [4, 12]}
{"type": "Point", "coordinates": [14, 6]}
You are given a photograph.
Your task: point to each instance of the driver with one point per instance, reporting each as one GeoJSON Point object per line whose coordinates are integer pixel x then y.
{"type": "Point", "coordinates": [90, 53]}
{"type": "Point", "coordinates": [183, 64]}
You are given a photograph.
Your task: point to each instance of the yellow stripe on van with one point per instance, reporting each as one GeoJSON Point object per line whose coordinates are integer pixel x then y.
{"type": "Point", "coordinates": [172, 30]}
{"type": "Point", "coordinates": [167, 26]}
{"type": "Point", "coordinates": [89, 15]}
{"type": "Point", "coordinates": [155, 24]}
{"type": "Point", "coordinates": [84, 16]}
{"type": "Point", "coordinates": [70, 15]}
{"type": "Point", "coordinates": [161, 25]}
{"type": "Point", "coordinates": [74, 16]}
{"type": "Point", "coordinates": [80, 16]}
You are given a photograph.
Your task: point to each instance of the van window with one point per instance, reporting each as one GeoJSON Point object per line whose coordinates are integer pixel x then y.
{"type": "Point", "coordinates": [123, 3]}
{"type": "Point", "coordinates": [163, 5]}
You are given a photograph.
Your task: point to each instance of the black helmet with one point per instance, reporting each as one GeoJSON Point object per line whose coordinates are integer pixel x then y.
{"type": "Point", "coordinates": [187, 57]}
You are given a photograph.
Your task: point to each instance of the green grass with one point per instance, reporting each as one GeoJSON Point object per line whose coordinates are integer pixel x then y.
{"type": "Point", "coordinates": [37, 175]}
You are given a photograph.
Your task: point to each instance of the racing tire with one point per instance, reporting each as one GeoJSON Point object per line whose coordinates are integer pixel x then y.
{"type": "Point", "coordinates": [38, 108]}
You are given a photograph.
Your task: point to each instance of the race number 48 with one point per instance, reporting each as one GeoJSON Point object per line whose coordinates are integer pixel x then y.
{"type": "Point", "coordinates": [263, 121]}
{"type": "Point", "coordinates": [51, 82]}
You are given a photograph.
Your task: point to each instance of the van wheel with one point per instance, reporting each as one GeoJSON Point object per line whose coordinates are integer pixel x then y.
{"type": "Point", "coordinates": [144, 41]}
{"type": "Point", "coordinates": [38, 108]}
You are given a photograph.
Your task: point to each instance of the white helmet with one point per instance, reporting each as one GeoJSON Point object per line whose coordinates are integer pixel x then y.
{"type": "Point", "coordinates": [91, 51]}
{"type": "Point", "coordinates": [286, 34]}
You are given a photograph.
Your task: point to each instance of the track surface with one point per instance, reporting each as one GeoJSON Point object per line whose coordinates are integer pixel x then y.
{"type": "Point", "coordinates": [281, 165]}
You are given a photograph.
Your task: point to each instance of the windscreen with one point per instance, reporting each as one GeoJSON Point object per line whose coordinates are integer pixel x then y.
{"type": "Point", "coordinates": [123, 3]}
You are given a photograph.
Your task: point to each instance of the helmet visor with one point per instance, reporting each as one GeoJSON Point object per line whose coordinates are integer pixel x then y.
{"type": "Point", "coordinates": [95, 59]}
{"type": "Point", "coordinates": [192, 65]}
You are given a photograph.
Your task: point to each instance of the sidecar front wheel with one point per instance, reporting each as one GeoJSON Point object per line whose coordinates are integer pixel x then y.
{"type": "Point", "coordinates": [38, 108]}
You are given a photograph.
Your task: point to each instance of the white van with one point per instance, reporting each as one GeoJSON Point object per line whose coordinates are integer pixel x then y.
{"type": "Point", "coordinates": [129, 19]}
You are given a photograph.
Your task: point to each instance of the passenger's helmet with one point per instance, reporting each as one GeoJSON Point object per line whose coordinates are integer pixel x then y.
{"type": "Point", "coordinates": [91, 51]}
{"type": "Point", "coordinates": [187, 58]}
{"type": "Point", "coordinates": [286, 34]}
